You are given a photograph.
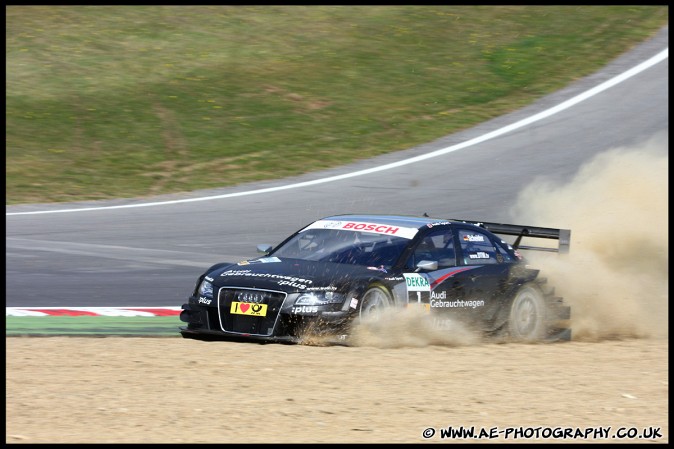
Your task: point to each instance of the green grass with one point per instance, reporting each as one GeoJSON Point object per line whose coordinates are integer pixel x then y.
{"type": "Point", "coordinates": [92, 325]}
{"type": "Point", "coordinates": [132, 101]}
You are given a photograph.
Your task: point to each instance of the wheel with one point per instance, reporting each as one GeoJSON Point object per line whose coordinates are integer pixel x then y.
{"type": "Point", "coordinates": [528, 315]}
{"type": "Point", "coordinates": [375, 300]}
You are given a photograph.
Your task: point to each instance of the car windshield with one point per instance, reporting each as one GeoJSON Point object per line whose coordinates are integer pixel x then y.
{"type": "Point", "coordinates": [344, 246]}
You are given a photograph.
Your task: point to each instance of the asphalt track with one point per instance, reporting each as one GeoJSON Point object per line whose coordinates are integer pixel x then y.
{"type": "Point", "coordinates": [148, 252]}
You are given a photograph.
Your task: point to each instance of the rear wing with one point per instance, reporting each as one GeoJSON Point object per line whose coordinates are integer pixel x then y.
{"type": "Point", "coordinates": [563, 236]}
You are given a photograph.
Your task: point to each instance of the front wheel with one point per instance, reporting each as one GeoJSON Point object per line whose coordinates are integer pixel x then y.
{"type": "Point", "coordinates": [375, 300]}
{"type": "Point", "coordinates": [528, 315]}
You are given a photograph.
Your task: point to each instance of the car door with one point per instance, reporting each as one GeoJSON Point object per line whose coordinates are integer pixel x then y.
{"type": "Point", "coordinates": [434, 278]}
{"type": "Point", "coordinates": [485, 282]}
{"type": "Point", "coordinates": [457, 274]}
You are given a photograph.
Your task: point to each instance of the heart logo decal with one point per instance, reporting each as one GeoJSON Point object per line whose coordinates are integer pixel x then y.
{"type": "Point", "coordinates": [244, 307]}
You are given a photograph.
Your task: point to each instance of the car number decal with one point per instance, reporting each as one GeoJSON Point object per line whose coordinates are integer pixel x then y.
{"type": "Point", "coordinates": [248, 308]}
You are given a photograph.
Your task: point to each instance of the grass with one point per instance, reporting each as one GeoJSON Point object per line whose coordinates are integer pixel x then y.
{"type": "Point", "coordinates": [93, 325]}
{"type": "Point", "coordinates": [132, 101]}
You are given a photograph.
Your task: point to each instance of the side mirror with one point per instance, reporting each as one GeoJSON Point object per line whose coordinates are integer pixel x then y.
{"type": "Point", "coordinates": [264, 248]}
{"type": "Point", "coordinates": [427, 265]}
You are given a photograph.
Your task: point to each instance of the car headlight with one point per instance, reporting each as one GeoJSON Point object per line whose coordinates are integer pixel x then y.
{"type": "Point", "coordinates": [319, 298]}
{"type": "Point", "coordinates": [206, 289]}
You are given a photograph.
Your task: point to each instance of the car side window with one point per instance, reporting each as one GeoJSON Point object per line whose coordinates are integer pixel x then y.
{"type": "Point", "coordinates": [438, 246]}
{"type": "Point", "coordinates": [477, 248]}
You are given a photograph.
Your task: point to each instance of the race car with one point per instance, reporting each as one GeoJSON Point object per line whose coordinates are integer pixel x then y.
{"type": "Point", "coordinates": [335, 272]}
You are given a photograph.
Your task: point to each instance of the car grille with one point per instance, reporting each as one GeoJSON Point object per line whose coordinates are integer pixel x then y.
{"type": "Point", "coordinates": [249, 301]}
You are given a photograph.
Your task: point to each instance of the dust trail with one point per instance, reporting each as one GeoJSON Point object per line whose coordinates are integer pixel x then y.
{"type": "Point", "coordinates": [410, 327]}
{"type": "Point", "coordinates": [615, 276]}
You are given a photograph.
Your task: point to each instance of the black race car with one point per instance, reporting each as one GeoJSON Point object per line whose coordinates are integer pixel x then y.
{"type": "Point", "coordinates": [341, 269]}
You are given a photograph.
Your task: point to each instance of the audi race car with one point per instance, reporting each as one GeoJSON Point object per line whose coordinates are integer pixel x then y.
{"type": "Point", "coordinates": [331, 274]}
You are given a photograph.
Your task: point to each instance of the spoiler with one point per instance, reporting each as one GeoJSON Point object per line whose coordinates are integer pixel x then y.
{"type": "Point", "coordinates": [563, 236]}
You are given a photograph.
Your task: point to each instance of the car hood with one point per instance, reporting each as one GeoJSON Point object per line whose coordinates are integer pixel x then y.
{"type": "Point", "coordinates": [291, 275]}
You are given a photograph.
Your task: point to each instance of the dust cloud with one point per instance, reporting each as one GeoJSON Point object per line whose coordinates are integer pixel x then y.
{"type": "Point", "coordinates": [410, 327]}
{"type": "Point", "coordinates": [615, 277]}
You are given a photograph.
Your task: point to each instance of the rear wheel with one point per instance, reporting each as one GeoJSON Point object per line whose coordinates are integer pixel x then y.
{"type": "Point", "coordinates": [528, 315]}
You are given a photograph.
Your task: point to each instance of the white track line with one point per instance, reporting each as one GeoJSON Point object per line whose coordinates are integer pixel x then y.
{"type": "Point", "coordinates": [524, 122]}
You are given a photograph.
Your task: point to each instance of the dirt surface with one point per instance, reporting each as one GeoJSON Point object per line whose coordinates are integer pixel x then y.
{"type": "Point", "coordinates": [173, 390]}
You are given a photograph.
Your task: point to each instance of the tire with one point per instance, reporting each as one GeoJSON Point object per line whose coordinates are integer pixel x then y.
{"type": "Point", "coordinates": [527, 321]}
{"type": "Point", "coordinates": [375, 300]}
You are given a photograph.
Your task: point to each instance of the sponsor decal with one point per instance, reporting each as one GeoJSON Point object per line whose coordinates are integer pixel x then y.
{"type": "Point", "coordinates": [377, 228]}
{"type": "Point", "coordinates": [416, 282]}
{"type": "Point", "coordinates": [438, 295]}
{"type": "Point", "coordinates": [354, 303]}
{"type": "Point", "coordinates": [329, 288]}
{"type": "Point", "coordinates": [459, 303]}
{"type": "Point", "coordinates": [292, 284]}
{"type": "Point", "coordinates": [438, 223]}
{"type": "Point", "coordinates": [247, 308]}
{"type": "Point", "coordinates": [204, 300]}
{"type": "Point", "coordinates": [304, 309]}
{"type": "Point", "coordinates": [371, 227]}
{"type": "Point", "coordinates": [291, 281]}
{"type": "Point", "coordinates": [473, 238]}
{"type": "Point", "coordinates": [479, 255]}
